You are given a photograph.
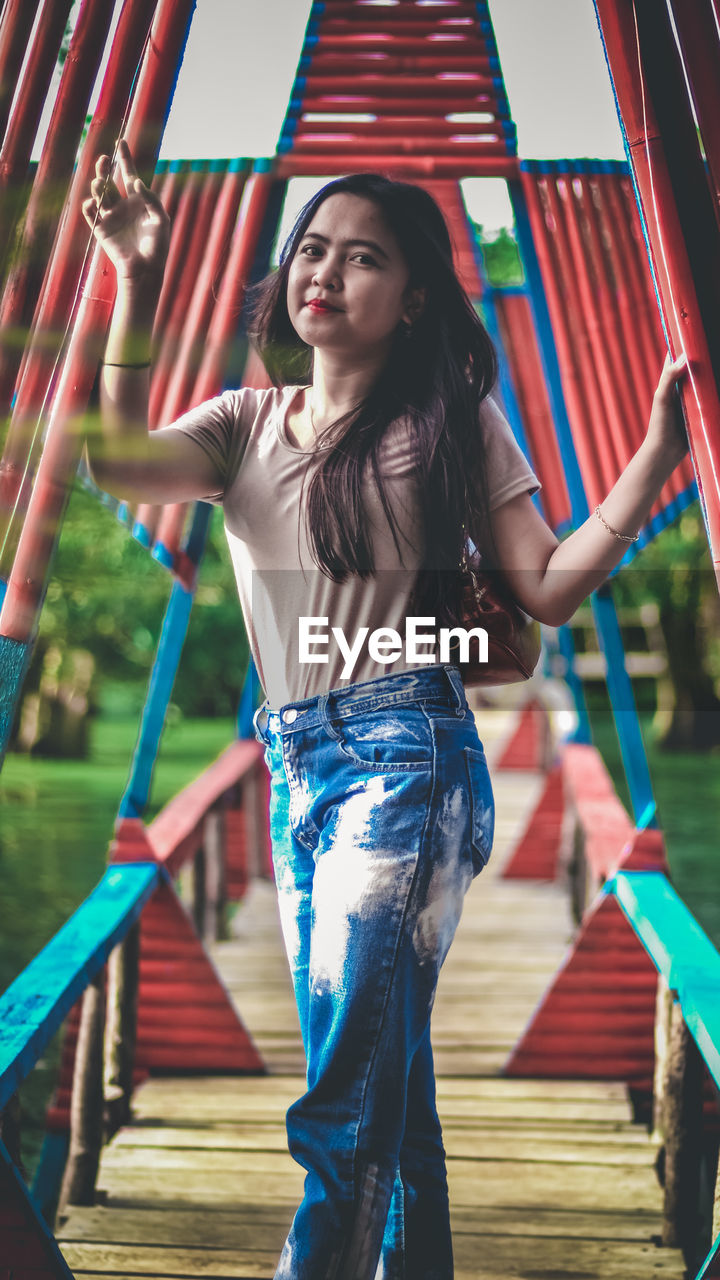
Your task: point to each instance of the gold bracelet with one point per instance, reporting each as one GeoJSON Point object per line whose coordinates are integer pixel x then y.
{"type": "Point", "coordinates": [622, 537]}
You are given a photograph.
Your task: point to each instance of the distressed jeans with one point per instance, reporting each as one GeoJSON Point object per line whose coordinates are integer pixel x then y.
{"type": "Point", "coordinates": [381, 813]}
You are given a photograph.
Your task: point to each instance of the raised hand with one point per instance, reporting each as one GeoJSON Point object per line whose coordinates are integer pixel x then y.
{"type": "Point", "coordinates": [133, 228]}
{"type": "Point", "coordinates": [666, 428]}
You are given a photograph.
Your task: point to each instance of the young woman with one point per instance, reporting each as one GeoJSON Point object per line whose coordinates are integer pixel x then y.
{"type": "Point", "coordinates": [347, 489]}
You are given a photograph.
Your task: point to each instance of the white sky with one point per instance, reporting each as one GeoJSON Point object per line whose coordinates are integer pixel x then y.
{"type": "Point", "coordinates": [242, 54]}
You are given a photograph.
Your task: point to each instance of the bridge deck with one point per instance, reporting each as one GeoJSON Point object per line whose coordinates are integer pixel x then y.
{"type": "Point", "coordinates": [547, 1179]}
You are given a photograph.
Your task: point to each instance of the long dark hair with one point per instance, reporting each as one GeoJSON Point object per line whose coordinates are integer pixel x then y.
{"type": "Point", "coordinates": [436, 379]}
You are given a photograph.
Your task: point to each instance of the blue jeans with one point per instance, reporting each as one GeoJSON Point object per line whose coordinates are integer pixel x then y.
{"type": "Point", "coordinates": [381, 813]}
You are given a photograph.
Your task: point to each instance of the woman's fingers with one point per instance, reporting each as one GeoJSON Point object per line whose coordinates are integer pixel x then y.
{"type": "Point", "coordinates": [126, 164]}
{"type": "Point", "coordinates": [672, 371]}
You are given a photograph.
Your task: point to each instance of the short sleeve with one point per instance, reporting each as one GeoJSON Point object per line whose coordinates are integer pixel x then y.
{"type": "Point", "coordinates": [221, 428]}
{"type": "Point", "coordinates": [508, 470]}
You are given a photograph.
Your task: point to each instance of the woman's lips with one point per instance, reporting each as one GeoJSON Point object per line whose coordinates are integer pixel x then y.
{"type": "Point", "coordinates": [321, 307]}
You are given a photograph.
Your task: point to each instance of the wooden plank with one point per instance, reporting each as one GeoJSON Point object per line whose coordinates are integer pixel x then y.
{"type": "Point", "coordinates": [500, 1257]}
{"type": "Point", "coordinates": [239, 1226]}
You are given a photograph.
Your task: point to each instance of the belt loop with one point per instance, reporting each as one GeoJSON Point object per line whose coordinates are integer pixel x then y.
{"type": "Point", "coordinates": [322, 706]}
{"type": "Point", "coordinates": [458, 689]}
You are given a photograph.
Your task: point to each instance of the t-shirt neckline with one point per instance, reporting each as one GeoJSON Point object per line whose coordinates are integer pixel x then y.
{"type": "Point", "coordinates": [281, 425]}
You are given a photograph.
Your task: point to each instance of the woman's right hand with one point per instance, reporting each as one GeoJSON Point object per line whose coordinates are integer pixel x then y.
{"type": "Point", "coordinates": [133, 229]}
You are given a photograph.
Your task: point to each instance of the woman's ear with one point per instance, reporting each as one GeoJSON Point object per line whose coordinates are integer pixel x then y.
{"type": "Point", "coordinates": [415, 305]}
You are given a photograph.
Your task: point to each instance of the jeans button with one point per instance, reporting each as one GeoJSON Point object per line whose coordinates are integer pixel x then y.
{"type": "Point", "coordinates": [290, 715]}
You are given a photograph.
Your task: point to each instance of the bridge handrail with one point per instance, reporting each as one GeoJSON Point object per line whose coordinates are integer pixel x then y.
{"type": "Point", "coordinates": [681, 951]}
{"type": "Point", "coordinates": [34, 1005]}
{"type": "Point", "coordinates": [37, 1001]}
{"type": "Point", "coordinates": [176, 832]}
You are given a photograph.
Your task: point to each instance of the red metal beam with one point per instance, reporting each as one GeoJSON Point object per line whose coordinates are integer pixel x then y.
{"type": "Point", "coordinates": [660, 188]}
{"type": "Point", "coordinates": [27, 581]}
{"type": "Point", "coordinates": [16, 25]}
{"type": "Point", "coordinates": [62, 278]}
{"type": "Point", "coordinates": [224, 324]}
{"type": "Point", "coordinates": [24, 120]}
{"type": "Point", "coordinates": [420, 167]}
{"type": "Point", "coordinates": [55, 168]}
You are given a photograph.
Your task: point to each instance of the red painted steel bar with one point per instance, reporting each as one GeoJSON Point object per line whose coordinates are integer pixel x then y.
{"type": "Point", "coordinates": [410, 167]}
{"type": "Point", "coordinates": [520, 344]}
{"type": "Point", "coordinates": [622, 355]}
{"type": "Point", "coordinates": [25, 118]}
{"type": "Point", "coordinates": [638, 323]}
{"type": "Point", "coordinates": [62, 277]}
{"type": "Point", "coordinates": [333, 68]}
{"type": "Point", "coordinates": [395, 54]}
{"type": "Point", "coordinates": [697, 31]}
{"type": "Point", "coordinates": [183, 367]}
{"type": "Point", "coordinates": [224, 324]}
{"type": "Point", "coordinates": [640, 320]}
{"type": "Point", "coordinates": [613, 415]}
{"type": "Point", "coordinates": [574, 386]}
{"type": "Point", "coordinates": [671, 258]}
{"type": "Point", "coordinates": [459, 149]}
{"type": "Point", "coordinates": [380, 88]}
{"type": "Point", "coordinates": [55, 168]}
{"type": "Point", "coordinates": [597, 459]}
{"type": "Point", "coordinates": [16, 25]}
{"type": "Point", "coordinates": [405, 126]}
{"type": "Point", "coordinates": [352, 100]}
{"type": "Point", "coordinates": [181, 220]}
{"type": "Point", "coordinates": [190, 352]}
{"type": "Point", "coordinates": [26, 584]}
{"type": "Point", "coordinates": [187, 247]}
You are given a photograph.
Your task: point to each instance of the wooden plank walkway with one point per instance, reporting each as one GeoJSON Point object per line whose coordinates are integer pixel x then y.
{"type": "Point", "coordinates": [548, 1180]}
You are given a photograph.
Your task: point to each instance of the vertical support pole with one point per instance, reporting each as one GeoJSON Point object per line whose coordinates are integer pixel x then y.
{"type": "Point", "coordinates": [215, 922]}
{"type": "Point", "coordinates": [121, 1029]}
{"type": "Point", "coordinates": [162, 678]}
{"type": "Point", "coordinates": [10, 1129]}
{"type": "Point", "coordinates": [16, 25]}
{"type": "Point", "coordinates": [663, 1021]}
{"type": "Point", "coordinates": [86, 1107]}
{"type": "Point", "coordinates": [682, 1123]}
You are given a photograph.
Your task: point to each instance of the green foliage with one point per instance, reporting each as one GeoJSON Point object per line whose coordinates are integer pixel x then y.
{"type": "Point", "coordinates": [501, 257]}
{"type": "Point", "coordinates": [108, 595]}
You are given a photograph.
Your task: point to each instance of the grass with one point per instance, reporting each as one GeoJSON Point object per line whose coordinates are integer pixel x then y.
{"type": "Point", "coordinates": [56, 821]}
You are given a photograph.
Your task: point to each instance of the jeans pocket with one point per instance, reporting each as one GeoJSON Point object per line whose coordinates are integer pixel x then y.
{"type": "Point", "coordinates": [388, 738]}
{"type": "Point", "coordinates": [482, 806]}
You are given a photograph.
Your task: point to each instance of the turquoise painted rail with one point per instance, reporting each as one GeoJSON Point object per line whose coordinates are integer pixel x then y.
{"type": "Point", "coordinates": [689, 963]}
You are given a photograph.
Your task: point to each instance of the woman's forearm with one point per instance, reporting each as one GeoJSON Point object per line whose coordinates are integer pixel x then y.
{"type": "Point", "coordinates": [117, 442]}
{"type": "Point", "coordinates": [583, 561]}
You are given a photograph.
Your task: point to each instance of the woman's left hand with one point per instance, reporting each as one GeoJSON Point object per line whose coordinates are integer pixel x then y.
{"type": "Point", "coordinates": [666, 429]}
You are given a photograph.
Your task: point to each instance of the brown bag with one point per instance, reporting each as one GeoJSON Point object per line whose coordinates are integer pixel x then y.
{"type": "Point", "coordinates": [513, 636]}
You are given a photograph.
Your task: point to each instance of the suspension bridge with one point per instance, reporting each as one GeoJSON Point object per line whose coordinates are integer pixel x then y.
{"type": "Point", "coordinates": [577, 1033]}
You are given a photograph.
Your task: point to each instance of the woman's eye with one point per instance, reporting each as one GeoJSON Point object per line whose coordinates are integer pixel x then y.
{"type": "Point", "coordinates": [365, 260]}
{"type": "Point", "coordinates": [310, 250]}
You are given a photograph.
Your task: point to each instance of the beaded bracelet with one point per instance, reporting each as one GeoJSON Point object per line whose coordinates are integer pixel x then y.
{"type": "Point", "coordinates": [623, 537]}
{"type": "Point", "coordinates": [114, 364]}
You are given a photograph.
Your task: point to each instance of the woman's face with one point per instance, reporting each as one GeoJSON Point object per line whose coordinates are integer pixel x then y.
{"type": "Point", "coordinates": [348, 281]}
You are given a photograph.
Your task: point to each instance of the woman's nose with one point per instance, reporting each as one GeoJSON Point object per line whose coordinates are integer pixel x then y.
{"type": "Point", "coordinates": [326, 275]}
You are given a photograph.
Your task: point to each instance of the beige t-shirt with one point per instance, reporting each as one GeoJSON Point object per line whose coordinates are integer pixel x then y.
{"type": "Point", "coordinates": [281, 589]}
